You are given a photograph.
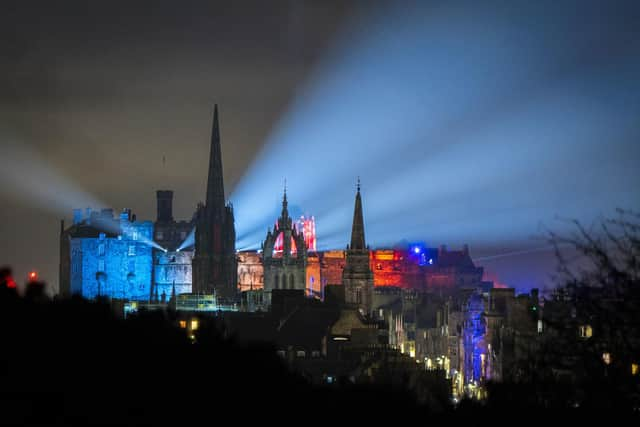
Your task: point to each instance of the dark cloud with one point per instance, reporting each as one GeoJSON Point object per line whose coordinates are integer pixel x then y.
{"type": "Point", "coordinates": [104, 90]}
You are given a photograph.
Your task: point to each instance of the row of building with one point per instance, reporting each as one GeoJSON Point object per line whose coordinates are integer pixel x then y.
{"type": "Point", "coordinates": [331, 314]}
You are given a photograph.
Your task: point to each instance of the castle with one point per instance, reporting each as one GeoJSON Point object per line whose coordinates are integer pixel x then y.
{"type": "Point", "coordinates": [144, 261]}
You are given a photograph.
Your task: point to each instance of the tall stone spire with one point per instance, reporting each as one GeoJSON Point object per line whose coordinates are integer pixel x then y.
{"type": "Point", "coordinates": [285, 204]}
{"type": "Point", "coordinates": [215, 185]}
{"type": "Point", "coordinates": [214, 262]}
{"type": "Point", "coordinates": [357, 277]}
{"type": "Point", "coordinates": [357, 229]}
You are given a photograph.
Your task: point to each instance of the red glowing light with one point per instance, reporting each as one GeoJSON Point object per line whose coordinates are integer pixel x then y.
{"type": "Point", "coordinates": [279, 244]}
{"type": "Point", "coordinates": [33, 276]}
{"type": "Point", "coordinates": [11, 284]}
{"type": "Point", "coordinates": [308, 228]}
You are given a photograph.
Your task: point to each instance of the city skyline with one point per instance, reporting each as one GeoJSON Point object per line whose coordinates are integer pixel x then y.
{"type": "Point", "coordinates": [556, 138]}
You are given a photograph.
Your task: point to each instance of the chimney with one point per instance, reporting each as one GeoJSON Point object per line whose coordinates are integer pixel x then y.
{"type": "Point", "coordinates": [125, 215]}
{"type": "Point", "coordinates": [165, 205]}
{"type": "Point", "coordinates": [77, 216]}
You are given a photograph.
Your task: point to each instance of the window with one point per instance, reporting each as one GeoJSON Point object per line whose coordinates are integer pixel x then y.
{"type": "Point", "coordinates": [159, 235]}
{"type": "Point", "coordinates": [183, 324]}
{"type": "Point", "coordinates": [134, 235]}
{"type": "Point", "coordinates": [101, 249]}
{"type": "Point", "coordinates": [102, 236]}
{"type": "Point", "coordinates": [132, 266]}
{"type": "Point", "coordinates": [635, 369]}
{"type": "Point", "coordinates": [132, 250]}
{"type": "Point", "coordinates": [281, 353]}
{"type": "Point", "coordinates": [378, 266]}
{"type": "Point", "coordinates": [183, 235]}
{"type": "Point", "coordinates": [194, 324]}
{"type": "Point", "coordinates": [301, 353]}
{"type": "Point", "coordinates": [539, 326]}
{"type": "Point", "coordinates": [316, 354]}
{"type": "Point", "coordinates": [101, 265]}
{"type": "Point", "coordinates": [585, 331]}
{"type": "Point", "coordinates": [606, 358]}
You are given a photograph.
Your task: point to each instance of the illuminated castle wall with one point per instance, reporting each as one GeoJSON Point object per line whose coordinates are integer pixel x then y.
{"type": "Point", "coordinates": [172, 266]}
{"type": "Point", "coordinates": [424, 268]}
{"type": "Point", "coordinates": [108, 257]}
{"type": "Point", "coordinates": [171, 270]}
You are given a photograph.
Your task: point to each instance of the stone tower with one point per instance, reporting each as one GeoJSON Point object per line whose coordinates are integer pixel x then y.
{"type": "Point", "coordinates": [214, 263]}
{"type": "Point", "coordinates": [285, 268]}
{"type": "Point", "coordinates": [357, 276]}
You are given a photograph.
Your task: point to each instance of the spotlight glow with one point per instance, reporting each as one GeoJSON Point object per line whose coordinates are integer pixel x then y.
{"type": "Point", "coordinates": [467, 125]}
{"type": "Point", "coordinates": [189, 241]}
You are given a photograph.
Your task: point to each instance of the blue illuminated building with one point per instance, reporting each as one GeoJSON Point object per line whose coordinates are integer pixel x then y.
{"type": "Point", "coordinates": [473, 341]}
{"type": "Point", "coordinates": [106, 256]}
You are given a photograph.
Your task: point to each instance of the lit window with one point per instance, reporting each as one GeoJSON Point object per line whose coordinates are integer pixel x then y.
{"type": "Point", "coordinates": [635, 369]}
{"type": "Point", "coordinates": [101, 265]}
{"type": "Point", "coordinates": [101, 249]}
{"type": "Point", "coordinates": [183, 324]}
{"type": "Point", "coordinates": [102, 236]}
{"type": "Point", "coordinates": [539, 326]}
{"type": "Point", "coordinates": [281, 353]}
{"type": "Point", "coordinates": [585, 331]}
{"type": "Point", "coordinates": [606, 358]}
{"type": "Point", "coordinates": [134, 235]}
{"type": "Point", "coordinates": [301, 353]}
{"type": "Point", "coordinates": [132, 250]}
{"type": "Point", "coordinates": [315, 353]}
{"type": "Point", "coordinates": [194, 324]}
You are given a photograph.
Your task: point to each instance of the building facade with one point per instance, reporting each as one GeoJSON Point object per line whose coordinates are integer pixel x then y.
{"type": "Point", "coordinates": [172, 262]}
{"type": "Point", "coordinates": [103, 256]}
{"type": "Point", "coordinates": [285, 268]}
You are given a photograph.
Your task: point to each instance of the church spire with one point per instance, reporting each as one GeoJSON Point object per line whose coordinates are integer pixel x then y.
{"type": "Point", "coordinates": [215, 184]}
{"type": "Point", "coordinates": [285, 204]}
{"type": "Point", "coordinates": [357, 229]}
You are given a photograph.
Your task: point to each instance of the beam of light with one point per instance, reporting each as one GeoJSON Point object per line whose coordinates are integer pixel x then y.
{"type": "Point", "coordinates": [29, 178]}
{"type": "Point", "coordinates": [189, 241]}
{"type": "Point", "coordinates": [113, 226]}
{"type": "Point", "coordinates": [548, 248]}
{"type": "Point", "coordinates": [466, 125]}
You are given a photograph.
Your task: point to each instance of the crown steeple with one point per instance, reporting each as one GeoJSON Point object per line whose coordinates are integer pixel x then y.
{"type": "Point", "coordinates": [357, 229]}
{"type": "Point", "coordinates": [285, 204]}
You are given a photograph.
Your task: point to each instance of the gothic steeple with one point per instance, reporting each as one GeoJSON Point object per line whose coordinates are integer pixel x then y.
{"type": "Point", "coordinates": [285, 204]}
{"type": "Point", "coordinates": [284, 222]}
{"type": "Point", "coordinates": [357, 229]}
{"type": "Point", "coordinates": [214, 262]}
{"type": "Point", "coordinates": [215, 185]}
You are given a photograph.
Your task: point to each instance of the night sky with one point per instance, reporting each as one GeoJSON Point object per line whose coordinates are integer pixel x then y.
{"type": "Point", "coordinates": [467, 125]}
